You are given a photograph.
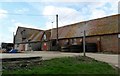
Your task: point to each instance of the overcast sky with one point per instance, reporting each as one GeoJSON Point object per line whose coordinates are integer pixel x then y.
{"type": "Point", "coordinates": [41, 14]}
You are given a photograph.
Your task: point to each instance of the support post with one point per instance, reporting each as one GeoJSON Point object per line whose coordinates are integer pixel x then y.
{"type": "Point", "coordinates": [57, 26]}
{"type": "Point", "coordinates": [84, 42]}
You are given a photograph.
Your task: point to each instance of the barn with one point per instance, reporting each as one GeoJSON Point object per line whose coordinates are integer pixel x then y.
{"type": "Point", "coordinates": [27, 39]}
{"type": "Point", "coordinates": [104, 32]}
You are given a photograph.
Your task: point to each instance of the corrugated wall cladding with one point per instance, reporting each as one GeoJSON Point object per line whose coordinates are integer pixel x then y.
{"type": "Point", "coordinates": [28, 34]}
{"type": "Point", "coordinates": [106, 25]}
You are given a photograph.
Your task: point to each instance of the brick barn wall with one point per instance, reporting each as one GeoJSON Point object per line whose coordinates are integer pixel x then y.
{"type": "Point", "coordinates": [105, 43]}
{"type": "Point", "coordinates": [79, 41]}
{"type": "Point", "coordinates": [93, 39]}
{"type": "Point", "coordinates": [62, 42]}
{"type": "Point", "coordinates": [109, 43]}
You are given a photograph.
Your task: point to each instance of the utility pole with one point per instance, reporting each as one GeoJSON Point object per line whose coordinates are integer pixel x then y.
{"type": "Point", "coordinates": [51, 37]}
{"type": "Point", "coordinates": [51, 29]}
{"type": "Point", "coordinates": [84, 42]}
{"type": "Point", "coordinates": [57, 28]}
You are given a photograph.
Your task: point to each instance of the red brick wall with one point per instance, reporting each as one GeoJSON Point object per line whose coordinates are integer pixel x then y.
{"type": "Point", "coordinates": [79, 40]}
{"type": "Point", "coordinates": [92, 39]}
{"type": "Point", "coordinates": [109, 43]}
{"type": "Point", "coordinates": [106, 43]}
{"type": "Point", "coordinates": [62, 42]}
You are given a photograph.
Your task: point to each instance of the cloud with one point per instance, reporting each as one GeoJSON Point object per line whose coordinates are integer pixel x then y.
{"type": "Point", "coordinates": [66, 15]}
{"type": "Point", "coordinates": [3, 13]}
{"type": "Point", "coordinates": [7, 36]}
{"type": "Point", "coordinates": [91, 10]}
{"type": "Point", "coordinates": [4, 38]}
{"type": "Point", "coordinates": [98, 14]}
{"type": "Point", "coordinates": [16, 24]}
{"type": "Point", "coordinates": [102, 9]}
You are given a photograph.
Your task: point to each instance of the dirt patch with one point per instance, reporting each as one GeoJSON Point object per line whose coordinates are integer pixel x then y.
{"type": "Point", "coordinates": [17, 63]}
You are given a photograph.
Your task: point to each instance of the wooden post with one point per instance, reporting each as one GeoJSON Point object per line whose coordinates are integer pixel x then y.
{"type": "Point", "coordinates": [84, 47]}
{"type": "Point", "coordinates": [57, 28]}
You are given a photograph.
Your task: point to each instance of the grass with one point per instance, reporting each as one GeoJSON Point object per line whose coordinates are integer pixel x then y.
{"type": "Point", "coordinates": [66, 65]}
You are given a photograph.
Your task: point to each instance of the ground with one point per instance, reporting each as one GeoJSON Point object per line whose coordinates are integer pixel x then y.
{"type": "Point", "coordinates": [112, 59]}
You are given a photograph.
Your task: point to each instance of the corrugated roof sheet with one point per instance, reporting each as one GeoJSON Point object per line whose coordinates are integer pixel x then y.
{"type": "Point", "coordinates": [106, 25]}
{"type": "Point", "coordinates": [29, 34]}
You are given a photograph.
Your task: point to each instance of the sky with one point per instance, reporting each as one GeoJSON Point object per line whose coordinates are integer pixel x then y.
{"type": "Point", "coordinates": [42, 14]}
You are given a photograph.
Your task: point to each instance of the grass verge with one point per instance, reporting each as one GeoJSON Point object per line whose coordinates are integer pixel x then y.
{"type": "Point", "coordinates": [66, 65]}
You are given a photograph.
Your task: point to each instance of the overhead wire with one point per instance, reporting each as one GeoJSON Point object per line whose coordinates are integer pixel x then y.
{"type": "Point", "coordinates": [71, 13]}
{"type": "Point", "coordinates": [66, 16]}
{"type": "Point", "coordinates": [59, 18]}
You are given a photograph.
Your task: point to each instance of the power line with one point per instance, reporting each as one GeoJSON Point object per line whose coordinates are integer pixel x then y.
{"type": "Point", "coordinates": [71, 13]}
{"type": "Point", "coordinates": [61, 22]}
{"type": "Point", "coordinates": [26, 14]}
{"type": "Point", "coordinates": [66, 16]}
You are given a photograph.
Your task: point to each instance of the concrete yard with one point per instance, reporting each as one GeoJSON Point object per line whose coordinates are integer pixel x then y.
{"type": "Point", "coordinates": [112, 59]}
{"type": "Point", "coordinates": [44, 54]}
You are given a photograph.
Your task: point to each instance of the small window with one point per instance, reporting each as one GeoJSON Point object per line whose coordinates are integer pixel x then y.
{"type": "Point", "coordinates": [44, 37]}
{"type": "Point", "coordinates": [74, 41]}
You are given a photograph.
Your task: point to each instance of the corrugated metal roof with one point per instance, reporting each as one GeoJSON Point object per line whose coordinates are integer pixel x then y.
{"type": "Point", "coordinates": [106, 25]}
{"type": "Point", "coordinates": [29, 34]}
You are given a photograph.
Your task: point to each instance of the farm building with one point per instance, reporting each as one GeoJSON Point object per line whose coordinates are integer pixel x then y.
{"type": "Point", "coordinates": [102, 31]}
{"type": "Point", "coordinates": [28, 39]}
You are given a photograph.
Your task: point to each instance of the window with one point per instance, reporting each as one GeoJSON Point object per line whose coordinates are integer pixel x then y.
{"type": "Point", "coordinates": [44, 37]}
{"type": "Point", "coordinates": [74, 41]}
